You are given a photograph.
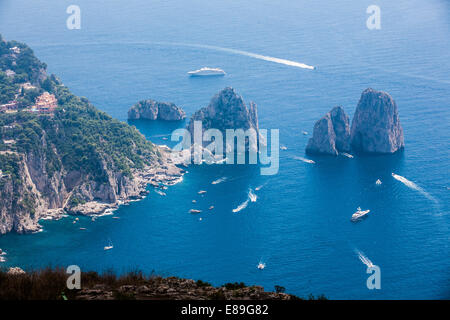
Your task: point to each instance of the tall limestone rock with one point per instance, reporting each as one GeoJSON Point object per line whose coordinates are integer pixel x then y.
{"type": "Point", "coordinates": [376, 126]}
{"type": "Point", "coordinates": [227, 110]}
{"type": "Point", "coordinates": [331, 134]}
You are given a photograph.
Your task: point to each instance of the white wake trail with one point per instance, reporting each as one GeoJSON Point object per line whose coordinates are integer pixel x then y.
{"type": "Point", "coordinates": [305, 160]}
{"type": "Point", "coordinates": [364, 259]}
{"type": "Point", "coordinates": [220, 180]}
{"type": "Point", "coordinates": [254, 55]}
{"type": "Point", "coordinates": [252, 196]}
{"type": "Point", "coordinates": [414, 186]}
{"type": "Point", "coordinates": [242, 206]}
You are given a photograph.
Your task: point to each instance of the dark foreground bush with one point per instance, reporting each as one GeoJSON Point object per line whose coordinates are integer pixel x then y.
{"type": "Point", "coordinates": [51, 284]}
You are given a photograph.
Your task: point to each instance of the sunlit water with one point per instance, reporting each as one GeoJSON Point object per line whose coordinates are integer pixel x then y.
{"type": "Point", "coordinates": [299, 224]}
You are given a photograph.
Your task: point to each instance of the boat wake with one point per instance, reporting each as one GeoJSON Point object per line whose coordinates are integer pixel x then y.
{"type": "Point", "coordinates": [252, 196]}
{"type": "Point", "coordinates": [364, 259]}
{"type": "Point", "coordinates": [414, 186]}
{"type": "Point", "coordinates": [305, 160]}
{"type": "Point", "coordinates": [254, 55]}
{"type": "Point", "coordinates": [220, 180]}
{"type": "Point", "coordinates": [260, 187]}
{"type": "Point", "coordinates": [241, 207]}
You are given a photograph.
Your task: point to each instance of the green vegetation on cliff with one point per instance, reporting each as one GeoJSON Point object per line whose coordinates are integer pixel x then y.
{"type": "Point", "coordinates": [77, 137]}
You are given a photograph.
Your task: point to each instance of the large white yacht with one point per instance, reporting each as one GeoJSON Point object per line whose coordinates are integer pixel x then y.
{"type": "Point", "coordinates": [359, 214]}
{"type": "Point", "coordinates": [205, 72]}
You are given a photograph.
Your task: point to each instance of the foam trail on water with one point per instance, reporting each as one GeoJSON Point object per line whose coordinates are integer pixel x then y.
{"type": "Point", "coordinates": [364, 259]}
{"type": "Point", "coordinates": [252, 196]}
{"type": "Point", "coordinates": [242, 206]}
{"type": "Point", "coordinates": [414, 186]}
{"type": "Point", "coordinates": [260, 187]}
{"type": "Point", "coordinates": [205, 46]}
{"type": "Point", "coordinates": [255, 56]}
{"type": "Point", "coordinates": [304, 160]}
{"type": "Point", "coordinates": [220, 180]}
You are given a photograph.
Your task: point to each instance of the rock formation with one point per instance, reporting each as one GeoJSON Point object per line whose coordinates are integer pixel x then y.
{"type": "Point", "coordinates": [227, 110]}
{"type": "Point", "coordinates": [331, 134]}
{"type": "Point", "coordinates": [153, 110]}
{"type": "Point", "coordinates": [376, 126]}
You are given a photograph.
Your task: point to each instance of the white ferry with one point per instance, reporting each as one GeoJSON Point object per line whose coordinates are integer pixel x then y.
{"type": "Point", "coordinates": [207, 72]}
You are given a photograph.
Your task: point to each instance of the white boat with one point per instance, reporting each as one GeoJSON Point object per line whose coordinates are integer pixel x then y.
{"type": "Point", "coordinates": [348, 155]}
{"type": "Point", "coordinates": [202, 192]}
{"type": "Point", "coordinates": [378, 182]}
{"type": "Point", "coordinates": [359, 214]}
{"type": "Point", "coordinates": [160, 193]}
{"type": "Point", "coordinates": [207, 72]}
{"type": "Point", "coordinates": [261, 266]}
{"type": "Point", "coordinates": [195, 211]}
{"type": "Point", "coordinates": [109, 246]}
{"type": "Point", "coordinates": [212, 207]}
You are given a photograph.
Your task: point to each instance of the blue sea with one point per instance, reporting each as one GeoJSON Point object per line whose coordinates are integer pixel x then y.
{"type": "Point", "coordinates": [300, 224]}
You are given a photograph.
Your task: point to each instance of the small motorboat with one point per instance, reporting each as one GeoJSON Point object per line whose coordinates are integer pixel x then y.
{"type": "Point", "coordinates": [305, 133]}
{"type": "Point", "coordinates": [261, 266]}
{"type": "Point", "coordinates": [212, 207]}
{"type": "Point", "coordinates": [283, 148]}
{"type": "Point", "coordinates": [195, 211]}
{"type": "Point", "coordinates": [109, 246]}
{"type": "Point", "coordinates": [378, 182]}
{"type": "Point", "coordinates": [348, 155]}
{"type": "Point", "coordinates": [160, 193]}
{"type": "Point", "coordinates": [359, 214]}
{"type": "Point", "coordinates": [202, 192]}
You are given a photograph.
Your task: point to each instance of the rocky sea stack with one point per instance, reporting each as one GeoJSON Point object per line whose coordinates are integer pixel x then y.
{"type": "Point", "coordinates": [227, 110]}
{"type": "Point", "coordinates": [153, 110]}
{"type": "Point", "coordinates": [331, 134]}
{"type": "Point", "coordinates": [376, 125]}
{"type": "Point", "coordinates": [375, 128]}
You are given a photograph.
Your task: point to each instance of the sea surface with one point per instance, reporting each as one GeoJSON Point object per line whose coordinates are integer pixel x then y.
{"type": "Point", "coordinates": [300, 223]}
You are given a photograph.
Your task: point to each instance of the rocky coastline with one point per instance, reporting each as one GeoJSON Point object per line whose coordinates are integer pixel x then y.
{"type": "Point", "coordinates": [162, 176]}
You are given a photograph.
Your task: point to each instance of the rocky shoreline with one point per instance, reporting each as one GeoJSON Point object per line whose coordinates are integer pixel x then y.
{"type": "Point", "coordinates": [167, 174]}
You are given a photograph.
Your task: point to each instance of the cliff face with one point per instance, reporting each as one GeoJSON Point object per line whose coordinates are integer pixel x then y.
{"type": "Point", "coordinates": [227, 110]}
{"type": "Point", "coordinates": [29, 192]}
{"type": "Point", "coordinates": [376, 126]}
{"type": "Point", "coordinates": [153, 110]}
{"type": "Point", "coordinates": [331, 134]}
